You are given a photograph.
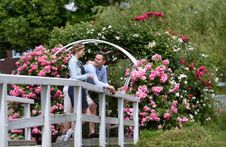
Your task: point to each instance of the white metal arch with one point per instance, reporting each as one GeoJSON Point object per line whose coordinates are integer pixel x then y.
{"type": "Point", "coordinates": [88, 41]}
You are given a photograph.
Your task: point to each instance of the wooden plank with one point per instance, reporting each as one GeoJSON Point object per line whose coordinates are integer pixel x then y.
{"type": "Point", "coordinates": [121, 122]}
{"type": "Point", "coordinates": [220, 96]}
{"type": "Point", "coordinates": [93, 142]}
{"type": "Point", "coordinates": [3, 116]}
{"type": "Point", "coordinates": [78, 111]}
{"type": "Point", "coordinates": [102, 112]}
{"type": "Point", "coordinates": [112, 120]}
{"type": "Point", "coordinates": [90, 118]}
{"type": "Point", "coordinates": [125, 97]}
{"type": "Point", "coordinates": [39, 121]}
{"type": "Point", "coordinates": [129, 123]}
{"type": "Point", "coordinates": [136, 122]}
{"type": "Point", "coordinates": [45, 106]}
{"type": "Point", "coordinates": [22, 143]}
{"type": "Point", "coordinates": [25, 122]}
{"type": "Point", "coordinates": [62, 118]}
{"type": "Point", "coordinates": [72, 117]}
{"type": "Point", "coordinates": [20, 100]}
{"type": "Point", "coordinates": [221, 84]}
{"type": "Point", "coordinates": [27, 114]}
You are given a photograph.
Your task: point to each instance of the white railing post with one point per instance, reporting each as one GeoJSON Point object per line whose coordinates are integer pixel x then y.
{"type": "Point", "coordinates": [78, 112]}
{"type": "Point", "coordinates": [27, 114]}
{"type": "Point", "coordinates": [121, 122]}
{"type": "Point", "coordinates": [3, 116]}
{"type": "Point", "coordinates": [45, 105]}
{"type": "Point", "coordinates": [102, 113]}
{"type": "Point", "coordinates": [136, 121]}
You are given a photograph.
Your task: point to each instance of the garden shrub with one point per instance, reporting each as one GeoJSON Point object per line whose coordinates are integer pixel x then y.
{"type": "Point", "coordinates": [169, 97]}
{"type": "Point", "coordinates": [40, 62]}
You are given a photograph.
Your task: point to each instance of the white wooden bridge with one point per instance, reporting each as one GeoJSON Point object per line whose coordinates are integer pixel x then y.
{"type": "Point", "coordinates": [45, 119]}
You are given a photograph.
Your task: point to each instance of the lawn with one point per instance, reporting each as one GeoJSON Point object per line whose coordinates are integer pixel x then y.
{"type": "Point", "coordinates": [194, 135]}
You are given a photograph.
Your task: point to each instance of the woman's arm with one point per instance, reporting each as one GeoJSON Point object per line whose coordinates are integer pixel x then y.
{"type": "Point", "coordinates": [74, 71]}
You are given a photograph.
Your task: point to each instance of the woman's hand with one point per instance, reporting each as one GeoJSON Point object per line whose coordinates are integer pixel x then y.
{"type": "Point", "coordinates": [90, 76]}
{"type": "Point", "coordinates": [90, 62]}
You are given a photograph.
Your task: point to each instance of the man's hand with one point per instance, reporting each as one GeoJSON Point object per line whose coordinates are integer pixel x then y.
{"type": "Point", "coordinates": [111, 89]}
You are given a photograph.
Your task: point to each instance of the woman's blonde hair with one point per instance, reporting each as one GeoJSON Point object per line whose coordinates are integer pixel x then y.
{"type": "Point", "coordinates": [77, 47]}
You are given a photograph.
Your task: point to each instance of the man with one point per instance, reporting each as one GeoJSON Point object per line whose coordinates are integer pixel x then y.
{"type": "Point", "coordinates": [99, 72]}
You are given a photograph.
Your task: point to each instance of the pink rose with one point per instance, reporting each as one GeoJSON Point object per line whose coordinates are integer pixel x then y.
{"type": "Point", "coordinates": [157, 90]}
{"type": "Point", "coordinates": [166, 116]}
{"type": "Point", "coordinates": [156, 57]}
{"type": "Point", "coordinates": [166, 62]}
{"type": "Point", "coordinates": [146, 108]}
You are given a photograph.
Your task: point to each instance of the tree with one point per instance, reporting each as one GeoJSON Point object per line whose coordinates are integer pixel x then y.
{"type": "Point", "coordinates": [28, 23]}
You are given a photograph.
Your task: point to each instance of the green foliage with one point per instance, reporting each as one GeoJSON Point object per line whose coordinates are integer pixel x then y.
{"type": "Point", "coordinates": [135, 36]}
{"type": "Point", "coordinates": [24, 24]}
{"type": "Point", "coordinates": [202, 21]}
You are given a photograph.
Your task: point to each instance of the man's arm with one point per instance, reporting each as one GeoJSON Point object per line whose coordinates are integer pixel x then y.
{"type": "Point", "coordinates": [104, 78]}
{"type": "Point", "coordinates": [90, 69]}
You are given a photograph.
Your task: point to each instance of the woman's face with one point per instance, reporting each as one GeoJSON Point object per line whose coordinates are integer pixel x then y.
{"type": "Point", "coordinates": [81, 53]}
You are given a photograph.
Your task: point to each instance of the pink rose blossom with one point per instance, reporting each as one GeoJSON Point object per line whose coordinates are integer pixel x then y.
{"type": "Point", "coordinates": [163, 78]}
{"type": "Point", "coordinates": [156, 57]}
{"type": "Point", "coordinates": [184, 120]}
{"type": "Point", "coordinates": [157, 90]}
{"type": "Point", "coordinates": [179, 119]}
{"type": "Point", "coordinates": [159, 126]}
{"type": "Point", "coordinates": [166, 116]}
{"type": "Point", "coordinates": [146, 108]}
{"type": "Point", "coordinates": [174, 110]}
{"type": "Point", "coordinates": [166, 62]}
{"type": "Point", "coordinates": [35, 130]}
{"type": "Point", "coordinates": [175, 89]}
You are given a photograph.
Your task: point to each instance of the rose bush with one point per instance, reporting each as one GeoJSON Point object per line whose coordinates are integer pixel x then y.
{"type": "Point", "coordinates": [40, 62]}
{"type": "Point", "coordinates": [154, 83]}
{"type": "Point", "coordinates": [169, 97]}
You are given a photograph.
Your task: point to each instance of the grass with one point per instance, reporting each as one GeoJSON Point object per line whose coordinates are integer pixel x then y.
{"type": "Point", "coordinates": [194, 135]}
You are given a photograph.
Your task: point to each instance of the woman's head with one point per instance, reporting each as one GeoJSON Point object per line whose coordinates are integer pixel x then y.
{"type": "Point", "coordinates": [78, 49]}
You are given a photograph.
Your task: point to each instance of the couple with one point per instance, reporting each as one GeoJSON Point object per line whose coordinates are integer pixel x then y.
{"type": "Point", "coordinates": [93, 72]}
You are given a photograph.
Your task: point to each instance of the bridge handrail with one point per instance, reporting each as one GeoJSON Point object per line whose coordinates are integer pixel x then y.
{"type": "Point", "coordinates": [35, 80]}
{"type": "Point", "coordinates": [45, 119]}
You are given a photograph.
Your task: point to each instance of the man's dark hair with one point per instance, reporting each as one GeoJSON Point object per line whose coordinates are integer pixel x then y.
{"type": "Point", "coordinates": [104, 55]}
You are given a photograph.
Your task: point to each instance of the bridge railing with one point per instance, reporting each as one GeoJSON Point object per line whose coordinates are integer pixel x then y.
{"type": "Point", "coordinates": [45, 119]}
{"type": "Point", "coordinates": [221, 98]}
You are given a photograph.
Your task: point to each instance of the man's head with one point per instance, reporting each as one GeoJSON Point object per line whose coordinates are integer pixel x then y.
{"type": "Point", "coordinates": [100, 59]}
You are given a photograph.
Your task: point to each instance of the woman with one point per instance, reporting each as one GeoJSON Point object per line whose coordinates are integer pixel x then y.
{"type": "Point", "coordinates": [76, 71]}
